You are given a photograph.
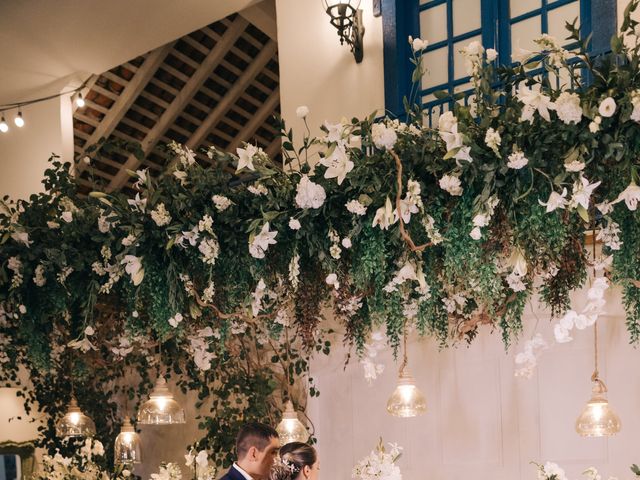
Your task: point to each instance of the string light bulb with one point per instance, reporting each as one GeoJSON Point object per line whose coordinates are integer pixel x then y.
{"type": "Point", "coordinates": [291, 429]}
{"type": "Point", "coordinates": [74, 423]}
{"type": "Point", "coordinates": [80, 101]}
{"type": "Point", "coordinates": [19, 121]}
{"type": "Point", "coordinates": [406, 400]}
{"type": "Point", "coordinates": [4, 128]}
{"type": "Point", "coordinates": [161, 408]}
{"type": "Point", "coordinates": [127, 445]}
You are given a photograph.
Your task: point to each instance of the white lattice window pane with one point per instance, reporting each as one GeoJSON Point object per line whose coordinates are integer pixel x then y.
{"type": "Point", "coordinates": [523, 33]}
{"type": "Point", "coordinates": [437, 65]}
{"type": "Point", "coordinates": [433, 24]}
{"type": "Point", "coordinates": [559, 16]}
{"type": "Point", "coordinates": [466, 16]}
{"type": "Point", "coordinates": [519, 7]}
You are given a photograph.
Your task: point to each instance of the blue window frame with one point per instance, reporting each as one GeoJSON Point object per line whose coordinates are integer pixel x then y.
{"type": "Point", "coordinates": [495, 29]}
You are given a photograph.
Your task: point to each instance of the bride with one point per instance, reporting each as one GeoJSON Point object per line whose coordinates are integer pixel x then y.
{"type": "Point", "coordinates": [298, 461]}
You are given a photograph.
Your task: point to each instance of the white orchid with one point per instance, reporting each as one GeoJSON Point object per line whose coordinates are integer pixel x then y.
{"type": "Point", "coordinates": [133, 266]}
{"type": "Point", "coordinates": [556, 200]}
{"type": "Point", "coordinates": [582, 191]}
{"type": "Point", "coordinates": [246, 156]}
{"type": "Point", "coordinates": [260, 243]}
{"type": "Point", "coordinates": [385, 216]}
{"type": "Point", "coordinates": [630, 195]}
{"type": "Point", "coordinates": [338, 164]}
{"type": "Point", "coordinates": [534, 101]}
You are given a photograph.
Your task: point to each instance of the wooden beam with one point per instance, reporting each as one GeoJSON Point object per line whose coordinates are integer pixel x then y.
{"type": "Point", "coordinates": [231, 97]}
{"type": "Point", "coordinates": [214, 57]}
{"type": "Point", "coordinates": [256, 121]}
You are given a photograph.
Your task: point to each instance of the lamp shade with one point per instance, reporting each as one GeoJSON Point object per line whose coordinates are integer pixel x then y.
{"type": "Point", "coordinates": [291, 429]}
{"type": "Point", "coordinates": [74, 423]}
{"type": "Point", "coordinates": [161, 408]}
{"type": "Point", "coordinates": [406, 400]}
{"type": "Point", "coordinates": [597, 418]}
{"type": "Point", "coordinates": [127, 445]}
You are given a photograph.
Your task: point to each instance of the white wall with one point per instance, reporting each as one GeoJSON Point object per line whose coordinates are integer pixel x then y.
{"type": "Point", "coordinates": [315, 70]}
{"type": "Point", "coordinates": [482, 422]}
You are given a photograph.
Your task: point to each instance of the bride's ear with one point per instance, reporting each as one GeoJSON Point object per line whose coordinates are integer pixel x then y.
{"type": "Point", "coordinates": [306, 471]}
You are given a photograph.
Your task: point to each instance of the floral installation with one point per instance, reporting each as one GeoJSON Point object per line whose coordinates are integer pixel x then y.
{"type": "Point", "coordinates": [380, 464]}
{"type": "Point", "coordinates": [386, 225]}
{"type": "Point", "coordinates": [552, 471]}
{"type": "Point", "coordinates": [168, 471]}
{"type": "Point", "coordinates": [86, 462]}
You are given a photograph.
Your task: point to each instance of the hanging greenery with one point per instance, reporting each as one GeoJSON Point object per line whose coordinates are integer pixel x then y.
{"type": "Point", "coordinates": [376, 222]}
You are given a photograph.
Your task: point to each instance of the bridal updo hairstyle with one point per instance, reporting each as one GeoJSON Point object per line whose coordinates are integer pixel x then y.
{"type": "Point", "coordinates": [294, 457]}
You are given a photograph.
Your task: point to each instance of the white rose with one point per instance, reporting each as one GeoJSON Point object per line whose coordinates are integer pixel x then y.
{"type": "Point", "coordinates": [294, 224]}
{"type": "Point", "coordinates": [607, 107]}
{"type": "Point", "coordinates": [491, 54]}
{"type": "Point", "coordinates": [451, 184]}
{"type": "Point", "coordinates": [383, 137]}
{"type": "Point", "coordinates": [346, 242]}
{"type": "Point", "coordinates": [67, 216]}
{"type": "Point", "coordinates": [476, 234]}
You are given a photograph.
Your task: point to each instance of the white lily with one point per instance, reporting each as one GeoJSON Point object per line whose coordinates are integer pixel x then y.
{"type": "Point", "coordinates": [260, 243]}
{"type": "Point", "coordinates": [533, 101]}
{"type": "Point", "coordinates": [338, 164]}
{"type": "Point", "coordinates": [385, 216]}
{"type": "Point", "coordinates": [133, 266]}
{"type": "Point", "coordinates": [556, 200]}
{"type": "Point", "coordinates": [582, 191]}
{"type": "Point", "coordinates": [630, 195]}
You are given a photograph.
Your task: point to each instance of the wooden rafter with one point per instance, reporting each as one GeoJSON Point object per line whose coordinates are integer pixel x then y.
{"type": "Point", "coordinates": [213, 58]}
{"type": "Point", "coordinates": [257, 120]}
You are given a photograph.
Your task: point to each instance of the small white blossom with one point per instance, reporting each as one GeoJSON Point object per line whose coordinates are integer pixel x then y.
{"type": "Point", "coordinates": [630, 195]}
{"type": "Point", "coordinates": [294, 224]}
{"type": "Point", "coordinates": [260, 243]}
{"type": "Point", "coordinates": [309, 194]}
{"type": "Point", "coordinates": [258, 189]}
{"type": "Point", "coordinates": [607, 107]}
{"type": "Point", "coordinates": [517, 160]}
{"type": "Point", "coordinates": [355, 207]}
{"type": "Point", "coordinates": [176, 320]}
{"type": "Point", "coordinates": [568, 108]}
{"type": "Point", "coordinates": [221, 202]}
{"type": "Point", "coordinates": [491, 54]}
{"type": "Point", "coordinates": [451, 184]}
{"type": "Point", "coordinates": [302, 111]}
{"type": "Point", "coordinates": [332, 279]}
{"type": "Point", "coordinates": [161, 216]}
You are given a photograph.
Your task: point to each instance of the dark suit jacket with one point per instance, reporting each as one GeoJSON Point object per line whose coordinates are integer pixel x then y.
{"type": "Point", "coordinates": [232, 474]}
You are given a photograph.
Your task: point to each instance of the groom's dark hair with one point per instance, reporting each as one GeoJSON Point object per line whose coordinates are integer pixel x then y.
{"type": "Point", "coordinates": [254, 434]}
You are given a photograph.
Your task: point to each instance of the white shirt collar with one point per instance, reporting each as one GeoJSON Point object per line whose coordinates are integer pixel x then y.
{"type": "Point", "coordinates": [242, 472]}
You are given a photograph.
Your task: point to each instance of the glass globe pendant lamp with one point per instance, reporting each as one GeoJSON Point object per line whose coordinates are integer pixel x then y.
{"type": "Point", "coordinates": [406, 400]}
{"type": "Point", "coordinates": [74, 423]}
{"type": "Point", "coordinates": [597, 418]}
{"type": "Point", "coordinates": [291, 429]}
{"type": "Point", "coordinates": [161, 408]}
{"type": "Point", "coordinates": [127, 445]}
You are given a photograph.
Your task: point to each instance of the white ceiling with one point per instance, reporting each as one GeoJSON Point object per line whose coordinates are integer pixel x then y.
{"type": "Point", "coordinates": [45, 44]}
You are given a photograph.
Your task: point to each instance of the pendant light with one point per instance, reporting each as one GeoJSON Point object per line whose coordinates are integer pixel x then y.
{"type": "Point", "coordinates": [161, 408]}
{"type": "Point", "coordinates": [597, 418]}
{"type": "Point", "coordinates": [127, 445]}
{"type": "Point", "coordinates": [406, 400]}
{"type": "Point", "coordinates": [75, 423]}
{"type": "Point", "coordinates": [291, 429]}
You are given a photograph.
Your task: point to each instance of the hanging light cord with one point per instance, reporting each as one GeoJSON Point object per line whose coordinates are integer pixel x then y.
{"type": "Point", "coordinates": [405, 359]}
{"type": "Point", "coordinates": [595, 377]}
{"type": "Point", "coordinates": [11, 106]}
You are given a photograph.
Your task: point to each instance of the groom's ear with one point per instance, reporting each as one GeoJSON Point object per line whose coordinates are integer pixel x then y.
{"type": "Point", "coordinates": [252, 453]}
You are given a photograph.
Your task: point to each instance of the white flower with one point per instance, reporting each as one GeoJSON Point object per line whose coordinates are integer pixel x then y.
{"type": "Point", "coordinates": [190, 236]}
{"type": "Point", "coordinates": [336, 133]}
{"type": "Point", "coordinates": [594, 127]}
{"type": "Point", "coordinates": [418, 44]}
{"type": "Point", "coordinates": [210, 250]}
{"type": "Point", "coordinates": [515, 282]}
{"type": "Point", "coordinates": [338, 164]}
{"type": "Point", "coordinates": [309, 194]}
{"type": "Point", "coordinates": [383, 137]}
{"type": "Point", "coordinates": [294, 271]}
{"type": "Point", "coordinates": [201, 459]}
{"type": "Point", "coordinates": [561, 333]}
{"type": "Point", "coordinates": [635, 101]}
{"type": "Point", "coordinates": [630, 195]}
{"type": "Point", "coordinates": [492, 139]}
{"type": "Point", "coordinates": [355, 207]}
{"type": "Point", "coordinates": [332, 279]}
{"type": "Point", "coordinates": [221, 202]}
{"type": "Point", "coordinates": [22, 309]}
{"type": "Point", "coordinates": [346, 242]}
{"type": "Point", "coordinates": [22, 237]}
{"type": "Point", "coordinates": [257, 189]}
{"type": "Point", "coordinates": [385, 216]}
{"type": "Point", "coordinates": [480, 220]}
{"type": "Point", "coordinates": [491, 54]}
{"type": "Point", "coordinates": [447, 122]}
{"type": "Point", "coordinates": [67, 216]}
{"type": "Point", "coordinates": [451, 184]}
{"type": "Point", "coordinates": [56, 225]}
{"type": "Point", "coordinates": [302, 111]}
{"type": "Point", "coordinates": [206, 224]}
{"type": "Point", "coordinates": [476, 234]}
{"type": "Point", "coordinates": [294, 224]}
{"type": "Point", "coordinates": [246, 156]}
{"type": "Point", "coordinates": [605, 207]}
{"type": "Point", "coordinates": [176, 320]}
{"type": "Point", "coordinates": [335, 251]}
{"type": "Point", "coordinates": [137, 203]}
{"type": "Point", "coordinates": [161, 216]}
{"type": "Point", "coordinates": [582, 191]}
{"type": "Point", "coordinates": [260, 243]}
{"type": "Point", "coordinates": [39, 278]}
{"type": "Point", "coordinates": [607, 107]}
{"type": "Point", "coordinates": [103, 224]}
{"type": "Point", "coordinates": [474, 48]}
{"type": "Point", "coordinates": [257, 296]}
{"type": "Point", "coordinates": [574, 166]}
{"type": "Point", "coordinates": [128, 240]}
{"type": "Point", "coordinates": [533, 101]}
{"type": "Point", "coordinates": [568, 108]}
{"type": "Point", "coordinates": [556, 200]}
{"type": "Point", "coordinates": [517, 160]}
{"type": "Point", "coordinates": [133, 266]}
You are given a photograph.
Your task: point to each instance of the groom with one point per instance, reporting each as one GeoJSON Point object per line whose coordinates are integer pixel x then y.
{"type": "Point", "coordinates": [257, 447]}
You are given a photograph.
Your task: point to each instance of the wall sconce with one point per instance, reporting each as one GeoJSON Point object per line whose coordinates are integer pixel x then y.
{"type": "Point", "coordinates": [347, 18]}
